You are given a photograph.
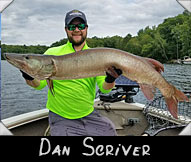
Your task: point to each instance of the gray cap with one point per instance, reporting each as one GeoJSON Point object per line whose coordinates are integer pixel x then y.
{"type": "Point", "coordinates": [74, 14]}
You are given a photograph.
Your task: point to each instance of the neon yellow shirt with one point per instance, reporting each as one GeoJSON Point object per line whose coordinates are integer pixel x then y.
{"type": "Point", "coordinates": [73, 99]}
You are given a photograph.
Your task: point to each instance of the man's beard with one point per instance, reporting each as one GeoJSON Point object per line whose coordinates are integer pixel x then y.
{"type": "Point", "coordinates": [77, 43]}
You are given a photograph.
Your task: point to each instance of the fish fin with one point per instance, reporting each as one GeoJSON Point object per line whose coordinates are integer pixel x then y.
{"type": "Point", "coordinates": [156, 64]}
{"type": "Point", "coordinates": [172, 102]}
{"type": "Point", "coordinates": [148, 91]}
{"type": "Point", "coordinates": [50, 86]}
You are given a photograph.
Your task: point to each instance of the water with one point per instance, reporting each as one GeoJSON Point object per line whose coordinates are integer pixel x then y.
{"type": "Point", "coordinates": [17, 97]}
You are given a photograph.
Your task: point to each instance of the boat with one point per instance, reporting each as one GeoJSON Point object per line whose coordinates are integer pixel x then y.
{"type": "Point", "coordinates": [129, 118]}
{"type": "Point", "coordinates": [186, 60]}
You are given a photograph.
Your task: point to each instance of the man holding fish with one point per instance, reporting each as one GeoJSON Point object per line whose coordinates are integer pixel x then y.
{"type": "Point", "coordinates": [71, 107]}
{"type": "Point", "coordinates": [71, 72]}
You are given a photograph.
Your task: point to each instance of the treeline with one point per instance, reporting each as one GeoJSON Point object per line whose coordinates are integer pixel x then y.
{"type": "Point", "coordinates": [170, 40]}
{"type": "Point", "coordinates": [37, 49]}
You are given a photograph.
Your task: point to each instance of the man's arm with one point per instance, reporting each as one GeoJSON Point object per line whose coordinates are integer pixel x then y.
{"type": "Point", "coordinates": [108, 86]}
{"type": "Point", "coordinates": [33, 83]}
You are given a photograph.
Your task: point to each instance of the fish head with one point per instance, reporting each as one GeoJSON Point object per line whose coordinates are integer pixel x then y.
{"type": "Point", "coordinates": [34, 65]}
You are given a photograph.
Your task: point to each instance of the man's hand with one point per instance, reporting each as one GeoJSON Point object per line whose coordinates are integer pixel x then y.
{"type": "Point", "coordinates": [30, 80]}
{"type": "Point", "coordinates": [112, 74]}
{"type": "Point", "coordinates": [26, 76]}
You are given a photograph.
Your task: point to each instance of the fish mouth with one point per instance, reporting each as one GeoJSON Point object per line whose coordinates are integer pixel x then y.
{"type": "Point", "coordinates": [14, 61]}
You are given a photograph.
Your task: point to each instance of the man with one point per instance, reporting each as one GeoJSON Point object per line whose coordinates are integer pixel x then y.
{"type": "Point", "coordinates": [71, 107]}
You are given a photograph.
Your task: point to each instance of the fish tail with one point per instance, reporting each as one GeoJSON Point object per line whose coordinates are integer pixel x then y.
{"type": "Point", "coordinates": [172, 101]}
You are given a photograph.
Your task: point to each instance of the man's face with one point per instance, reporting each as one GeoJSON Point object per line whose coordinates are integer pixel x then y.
{"type": "Point", "coordinates": [76, 36]}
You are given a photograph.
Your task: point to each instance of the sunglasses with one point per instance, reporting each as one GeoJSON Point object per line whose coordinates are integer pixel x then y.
{"type": "Point", "coordinates": [72, 27]}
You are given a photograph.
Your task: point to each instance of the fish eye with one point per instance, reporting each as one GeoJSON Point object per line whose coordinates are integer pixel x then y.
{"type": "Point", "coordinates": [27, 57]}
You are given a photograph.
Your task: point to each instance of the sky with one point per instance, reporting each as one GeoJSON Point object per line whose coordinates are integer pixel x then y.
{"type": "Point", "coordinates": [42, 21]}
{"type": "Point", "coordinates": [0, 26]}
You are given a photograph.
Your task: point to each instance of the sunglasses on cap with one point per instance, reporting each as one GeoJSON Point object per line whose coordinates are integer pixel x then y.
{"type": "Point", "coordinates": [72, 27]}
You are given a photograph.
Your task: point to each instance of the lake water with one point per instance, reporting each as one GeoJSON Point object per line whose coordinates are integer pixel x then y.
{"type": "Point", "coordinates": [18, 98]}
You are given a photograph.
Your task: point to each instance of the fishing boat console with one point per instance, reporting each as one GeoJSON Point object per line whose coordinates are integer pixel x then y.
{"type": "Point", "coordinates": [124, 89]}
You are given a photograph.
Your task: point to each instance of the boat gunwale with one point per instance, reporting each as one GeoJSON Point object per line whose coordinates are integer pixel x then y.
{"type": "Point", "coordinates": [22, 119]}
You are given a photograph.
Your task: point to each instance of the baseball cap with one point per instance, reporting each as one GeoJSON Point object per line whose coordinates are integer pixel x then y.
{"type": "Point", "coordinates": [74, 14]}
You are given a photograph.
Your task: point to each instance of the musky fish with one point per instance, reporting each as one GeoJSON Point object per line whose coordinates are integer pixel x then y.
{"type": "Point", "coordinates": [95, 62]}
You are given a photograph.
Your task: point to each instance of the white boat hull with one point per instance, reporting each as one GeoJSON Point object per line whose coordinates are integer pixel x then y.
{"type": "Point", "coordinates": [187, 62]}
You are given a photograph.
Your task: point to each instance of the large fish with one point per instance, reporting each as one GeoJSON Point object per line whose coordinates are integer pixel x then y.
{"type": "Point", "coordinates": [95, 62]}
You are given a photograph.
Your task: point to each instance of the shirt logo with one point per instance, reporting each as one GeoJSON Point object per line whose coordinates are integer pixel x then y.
{"type": "Point", "coordinates": [75, 12]}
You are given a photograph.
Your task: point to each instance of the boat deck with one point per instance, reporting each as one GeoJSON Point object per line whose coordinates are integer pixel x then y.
{"type": "Point", "coordinates": [120, 113]}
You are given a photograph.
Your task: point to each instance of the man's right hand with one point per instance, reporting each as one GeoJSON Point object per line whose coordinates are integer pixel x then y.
{"type": "Point", "coordinates": [26, 76]}
{"type": "Point", "coordinates": [30, 80]}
